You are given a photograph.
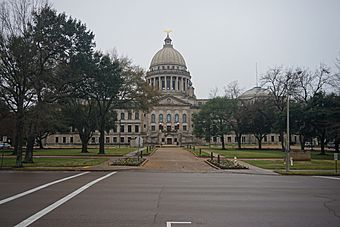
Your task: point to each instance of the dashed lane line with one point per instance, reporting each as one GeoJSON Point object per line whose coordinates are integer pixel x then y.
{"type": "Point", "coordinates": [39, 188]}
{"type": "Point", "coordinates": [63, 200]}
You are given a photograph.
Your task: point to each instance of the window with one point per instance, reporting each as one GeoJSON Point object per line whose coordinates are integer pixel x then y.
{"type": "Point", "coordinates": [272, 138]}
{"type": "Point", "coordinates": [161, 118]}
{"type": "Point", "coordinates": [153, 118]}
{"type": "Point", "coordinates": [168, 128]}
{"type": "Point", "coordinates": [136, 128]}
{"type": "Point", "coordinates": [115, 139]}
{"type": "Point", "coordinates": [122, 139]}
{"type": "Point", "coordinates": [168, 118]}
{"type": "Point", "coordinates": [229, 139]}
{"type": "Point", "coordinates": [129, 115]}
{"type": "Point", "coordinates": [107, 140]}
{"type": "Point", "coordinates": [184, 127]}
{"type": "Point", "coordinates": [93, 140]}
{"type": "Point", "coordinates": [64, 139]}
{"type": "Point", "coordinates": [122, 128]}
{"type": "Point", "coordinates": [57, 140]}
{"type": "Point", "coordinates": [243, 139]}
{"type": "Point", "coordinates": [279, 138]}
{"type": "Point", "coordinates": [177, 126]}
{"type": "Point", "coordinates": [122, 116]}
{"type": "Point", "coordinates": [136, 115]}
{"type": "Point", "coordinates": [214, 139]}
{"type": "Point", "coordinates": [163, 84]}
{"type": "Point", "coordinates": [184, 118]}
{"type": "Point", "coordinates": [265, 138]}
{"type": "Point", "coordinates": [176, 118]}
{"type": "Point", "coordinates": [153, 128]}
{"type": "Point", "coordinates": [115, 128]}
{"type": "Point", "coordinates": [173, 84]}
{"type": "Point", "coordinates": [71, 139]}
{"type": "Point", "coordinates": [129, 139]}
{"type": "Point", "coordinates": [160, 127]}
{"type": "Point", "coordinates": [129, 128]}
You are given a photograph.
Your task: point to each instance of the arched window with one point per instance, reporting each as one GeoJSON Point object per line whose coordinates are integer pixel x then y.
{"type": "Point", "coordinates": [168, 118]}
{"type": "Point", "coordinates": [184, 118]}
{"type": "Point", "coordinates": [136, 115]}
{"type": "Point", "coordinates": [153, 118]}
{"type": "Point", "coordinates": [160, 117]}
{"type": "Point", "coordinates": [176, 118]}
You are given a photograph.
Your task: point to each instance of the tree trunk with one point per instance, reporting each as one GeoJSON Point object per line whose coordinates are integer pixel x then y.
{"type": "Point", "coordinates": [41, 146]}
{"type": "Point", "coordinates": [29, 149]}
{"type": "Point", "coordinates": [84, 137]}
{"type": "Point", "coordinates": [101, 141]}
{"type": "Point", "coordinates": [302, 142]}
{"type": "Point", "coordinates": [260, 143]}
{"type": "Point", "coordinates": [84, 147]}
{"type": "Point", "coordinates": [322, 144]}
{"type": "Point", "coordinates": [282, 141]}
{"type": "Point", "coordinates": [239, 140]}
{"type": "Point", "coordinates": [222, 140]}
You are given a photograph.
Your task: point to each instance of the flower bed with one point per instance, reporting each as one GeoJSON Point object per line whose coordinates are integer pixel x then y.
{"type": "Point", "coordinates": [128, 162]}
{"type": "Point", "coordinates": [227, 164]}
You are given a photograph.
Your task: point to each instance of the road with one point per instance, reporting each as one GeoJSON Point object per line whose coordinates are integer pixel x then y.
{"type": "Point", "coordinates": [157, 198]}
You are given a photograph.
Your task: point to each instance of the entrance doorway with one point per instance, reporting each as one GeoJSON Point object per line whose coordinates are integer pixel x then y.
{"type": "Point", "coordinates": [168, 140]}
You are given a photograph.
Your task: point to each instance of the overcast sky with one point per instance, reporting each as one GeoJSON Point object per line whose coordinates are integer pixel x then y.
{"type": "Point", "coordinates": [221, 41]}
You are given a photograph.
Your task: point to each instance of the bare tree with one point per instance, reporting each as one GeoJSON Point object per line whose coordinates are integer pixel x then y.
{"type": "Point", "coordinates": [310, 83]}
{"type": "Point", "coordinates": [232, 90]}
{"type": "Point", "coordinates": [281, 82]}
{"type": "Point", "coordinates": [213, 93]}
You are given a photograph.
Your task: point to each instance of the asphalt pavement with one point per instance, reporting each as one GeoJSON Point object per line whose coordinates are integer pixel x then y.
{"type": "Point", "coordinates": [144, 198]}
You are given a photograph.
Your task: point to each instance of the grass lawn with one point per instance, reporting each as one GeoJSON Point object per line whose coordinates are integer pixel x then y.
{"type": "Point", "coordinates": [77, 151]}
{"type": "Point", "coordinates": [203, 153]}
{"type": "Point", "coordinates": [56, 162]}
{"type": "Point", "coordinates": [249, 153]}
{"type": "Point", "coordinates": [300, 165]}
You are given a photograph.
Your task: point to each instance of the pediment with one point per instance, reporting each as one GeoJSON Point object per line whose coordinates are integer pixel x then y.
{"type": "Point", "coordinates": [170, 100]}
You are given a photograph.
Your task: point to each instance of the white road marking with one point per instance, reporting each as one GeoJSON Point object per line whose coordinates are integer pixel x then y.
{"type": "Point", "coordinates": [39, 188]}
{"type": "Point", "coordinates": [53, 206]}
{"type": "Point", "coordinates": [168, 223]}
{"type": "Point", "coordinates": [332, 178]}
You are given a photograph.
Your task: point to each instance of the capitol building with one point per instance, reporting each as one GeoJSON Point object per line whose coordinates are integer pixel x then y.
{"type": "Point", "coordinates": [170, 121]}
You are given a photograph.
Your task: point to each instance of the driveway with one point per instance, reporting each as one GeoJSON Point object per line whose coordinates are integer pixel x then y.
{"type": "Point", "coordinates": [175, 159]}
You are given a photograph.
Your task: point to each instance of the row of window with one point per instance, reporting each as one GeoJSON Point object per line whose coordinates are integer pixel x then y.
{"type": "Point", "coordinates": [168, 127]}
{"type": "Point", "coordinates": [166, 67]}
{"type": "Point", "coordinates": [168, 118]}
{"type": "Point", "coordinates": [129, 128]}
{"type": "Point", "coordinates": [129, 116]}
{"type": "Point", "coordinates": [94, 140]}
{"type": "Point", "coordinates": [64, 139]}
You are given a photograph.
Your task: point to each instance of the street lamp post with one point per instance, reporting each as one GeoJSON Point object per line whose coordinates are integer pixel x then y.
{"type": "Point", "coordinates": [288, 139]}
{"type": "Point", "coordinates": [120, 122]}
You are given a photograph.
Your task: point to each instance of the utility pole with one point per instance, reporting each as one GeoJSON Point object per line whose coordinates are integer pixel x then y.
{"type": "Point", "coordinates": [288, 139]}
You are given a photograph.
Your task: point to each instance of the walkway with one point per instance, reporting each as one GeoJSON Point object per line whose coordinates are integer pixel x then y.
{"type": "Point", "coordinates": [175, 159]}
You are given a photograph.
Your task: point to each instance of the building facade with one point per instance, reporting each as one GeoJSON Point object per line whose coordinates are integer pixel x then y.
{"type": "Point", "coordinates": [169, 122]}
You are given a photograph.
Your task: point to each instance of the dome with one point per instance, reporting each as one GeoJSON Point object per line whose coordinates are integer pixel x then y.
{"type": "Point", "coordinates": [168, 55]}
{"type": "Point", "coordinates": [255, 92]}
